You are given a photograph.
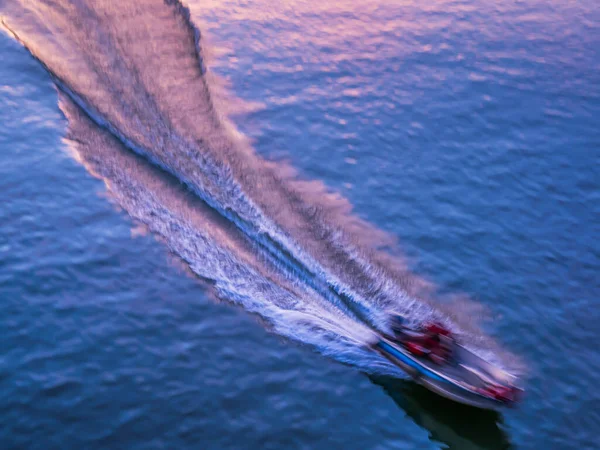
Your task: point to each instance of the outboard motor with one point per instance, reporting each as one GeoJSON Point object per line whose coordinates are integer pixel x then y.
{"type": "Point", "coordinates": [397, 324]}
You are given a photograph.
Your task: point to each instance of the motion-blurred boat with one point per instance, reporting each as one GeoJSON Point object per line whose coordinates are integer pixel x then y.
{"type": "Point", "coordinates": [432, 357]}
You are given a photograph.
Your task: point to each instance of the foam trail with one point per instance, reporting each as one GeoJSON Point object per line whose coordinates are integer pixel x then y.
{"type": "Point", "coordinates": [137, 72]}
{"type": "Point", "coordinates": [216, 250]}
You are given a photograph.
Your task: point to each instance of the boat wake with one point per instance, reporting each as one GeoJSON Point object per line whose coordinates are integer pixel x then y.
{"type": "Point", "coordinates": [134, 87]}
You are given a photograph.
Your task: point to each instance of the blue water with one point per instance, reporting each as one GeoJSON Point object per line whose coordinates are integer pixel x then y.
{"type": "Point", "coordinates": [465, 130]}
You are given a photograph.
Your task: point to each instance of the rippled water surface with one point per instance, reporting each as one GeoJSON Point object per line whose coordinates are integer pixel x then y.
{"type": "Point", "coordinates": [167, 281]}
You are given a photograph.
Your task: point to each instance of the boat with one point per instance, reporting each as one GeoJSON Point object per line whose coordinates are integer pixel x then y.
{"type": "Point", "coordinates": [433, 358]}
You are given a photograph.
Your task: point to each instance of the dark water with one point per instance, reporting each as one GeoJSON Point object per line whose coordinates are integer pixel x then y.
{"type": "Point", "coordinates": [135, 215]}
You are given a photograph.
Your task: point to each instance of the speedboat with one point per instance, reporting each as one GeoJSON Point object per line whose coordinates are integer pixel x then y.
{"type": "Point", "coordinates": [433, 358]}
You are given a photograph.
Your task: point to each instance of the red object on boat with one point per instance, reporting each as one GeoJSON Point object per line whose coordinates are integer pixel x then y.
{"type": "Point", "coordinates": [437, 328]}
{"type": "Point", "coordinates": [502, 393]}
{"type": "Point", "coordinates": [416, 349]}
